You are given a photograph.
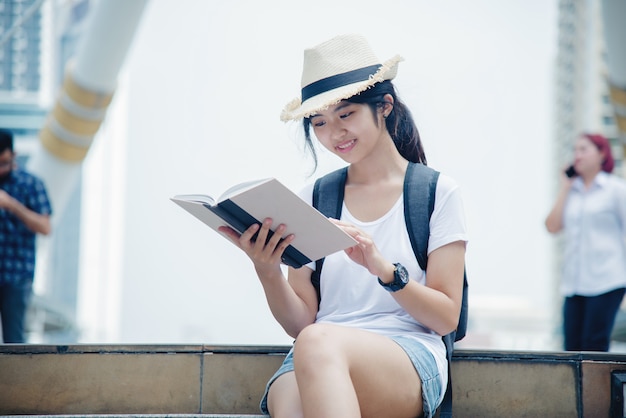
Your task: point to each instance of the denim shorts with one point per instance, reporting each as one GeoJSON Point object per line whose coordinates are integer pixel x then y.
{"type": "Point", "coordinates": [422, 359]}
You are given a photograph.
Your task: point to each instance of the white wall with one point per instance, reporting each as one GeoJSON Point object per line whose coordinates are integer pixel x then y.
{"type": "Point", "coordinates": [197, 110]}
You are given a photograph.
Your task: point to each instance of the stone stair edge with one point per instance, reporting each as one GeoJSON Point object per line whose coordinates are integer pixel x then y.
{"type": "Point", "coordinates": [141, 416]}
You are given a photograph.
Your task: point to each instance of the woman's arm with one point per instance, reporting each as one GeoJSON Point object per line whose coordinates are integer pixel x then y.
{"type": "Point", "coordinates": [437, 304]}
{"type": "Point", "coordinates": [293, 302]}
{"type": "Point", "coordinates": [554, 220]}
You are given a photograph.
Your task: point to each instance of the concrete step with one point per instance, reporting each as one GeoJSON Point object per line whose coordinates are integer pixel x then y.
{"type": "Point", "coordinates": [228, 381]}
{"type": "Point", "coordinates": [142, 416]}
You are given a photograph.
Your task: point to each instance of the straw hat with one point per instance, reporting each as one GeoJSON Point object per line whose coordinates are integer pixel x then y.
{"type": "Point", "coordinates": [335, 70]}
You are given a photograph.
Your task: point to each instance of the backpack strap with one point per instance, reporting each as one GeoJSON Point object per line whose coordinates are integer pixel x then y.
{"type": "Point", "coordinates": [420, 184]}
{"type": "Point", "coordinates": [445, 409]}
{"type": "Point", "coordinates": [328, 194]}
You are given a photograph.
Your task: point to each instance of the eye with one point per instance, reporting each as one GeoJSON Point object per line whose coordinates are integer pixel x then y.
{"type": "Point", "coordinates": [318, 123]}
{"type": "Point", "coordinates": [345, 115]}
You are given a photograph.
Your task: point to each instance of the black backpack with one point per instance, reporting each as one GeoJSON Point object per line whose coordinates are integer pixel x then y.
{"type": "Point", "coordinates": [420, 184]}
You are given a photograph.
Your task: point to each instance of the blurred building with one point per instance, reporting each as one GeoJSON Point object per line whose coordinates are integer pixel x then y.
{"type": "Point", "coordinates": [36, 39]}
{"type": "Point", "coordinates": [583, 88]}
{"type": "Point", "coordinates": [582, 96]}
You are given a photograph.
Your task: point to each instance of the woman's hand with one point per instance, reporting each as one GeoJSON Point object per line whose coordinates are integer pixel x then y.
{"type": "Point", "coordinates": [564, 180]}
{"type": "Point", "coordinates": [554, 220]}
{"type": "Point", "coordinates": [265, 254]}
{"type": "Point", "coordinates": [365, 252]}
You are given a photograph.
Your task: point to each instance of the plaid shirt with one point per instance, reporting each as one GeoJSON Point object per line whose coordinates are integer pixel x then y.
{"type": "Point", "coordinates": [17, 242]}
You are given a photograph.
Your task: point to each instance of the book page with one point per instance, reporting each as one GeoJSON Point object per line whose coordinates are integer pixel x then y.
{"type": "Point", "coordinates": [197, 209]}
{"type": "Point", "coordinates": [201, 198]}
{"type": "Point", "coordinates": [241, 188]}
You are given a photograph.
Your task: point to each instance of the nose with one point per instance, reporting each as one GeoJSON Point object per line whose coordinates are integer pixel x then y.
{"type": "Point", "coordinates": [337, 131]}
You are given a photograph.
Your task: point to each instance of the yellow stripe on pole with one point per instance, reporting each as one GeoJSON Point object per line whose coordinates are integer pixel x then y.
{"type": "Point", "coordinates": [83, 96]}
{"type": "Point", "coordinates": [74, 123]}
{"type": "Point", "coordinates": [60, 148]}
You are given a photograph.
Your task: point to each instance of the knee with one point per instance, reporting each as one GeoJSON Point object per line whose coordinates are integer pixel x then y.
{"type": "Point", "coordinates": [316, 333]}
{"type": "Point", "coordinates": [314, 339]}
{"type": "Point", "coordinates": [316, 346]}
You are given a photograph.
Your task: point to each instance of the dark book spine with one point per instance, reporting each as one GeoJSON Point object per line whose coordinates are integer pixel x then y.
{"type": "Point", "coordinates": [240, 220]}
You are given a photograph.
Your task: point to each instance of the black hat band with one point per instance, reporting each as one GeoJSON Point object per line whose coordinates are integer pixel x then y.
{"type": "Point", "coordinates": [338, 80]}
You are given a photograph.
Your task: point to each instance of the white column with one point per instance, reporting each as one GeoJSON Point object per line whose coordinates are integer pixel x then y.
{"type": "Point", "coordinates": [90, 80]}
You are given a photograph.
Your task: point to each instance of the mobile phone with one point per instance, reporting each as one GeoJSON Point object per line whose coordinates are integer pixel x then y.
{"type": "Point", "coordinates": [571, 171]}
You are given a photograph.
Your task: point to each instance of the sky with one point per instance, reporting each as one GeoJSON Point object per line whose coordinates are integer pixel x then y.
{"type": "Point", "coordinates": [197, 109]}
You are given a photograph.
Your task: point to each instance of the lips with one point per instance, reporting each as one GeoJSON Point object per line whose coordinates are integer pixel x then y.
{"type": "Point", "coordinates": [346, 146]}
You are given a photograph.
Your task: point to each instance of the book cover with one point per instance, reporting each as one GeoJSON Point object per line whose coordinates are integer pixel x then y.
{"type": "Point", "coordinates": [247, 203]}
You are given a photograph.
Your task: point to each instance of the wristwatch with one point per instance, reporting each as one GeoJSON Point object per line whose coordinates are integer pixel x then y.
{"type": "Point", "coordinates": [400, 279]}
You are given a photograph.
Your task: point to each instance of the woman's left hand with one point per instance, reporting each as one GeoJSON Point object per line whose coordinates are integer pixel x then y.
{"type": "Point", "coordinates": [365, 252]}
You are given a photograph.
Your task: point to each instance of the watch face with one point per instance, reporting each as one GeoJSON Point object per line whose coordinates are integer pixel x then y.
{"type": "Point", "coordinates": [401, 275]}
{"type": "Point", "coordinates": [400, 279]}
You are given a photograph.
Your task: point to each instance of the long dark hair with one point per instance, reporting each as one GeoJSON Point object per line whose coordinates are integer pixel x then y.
{"type": "Point", "coordinates": [399, 123]}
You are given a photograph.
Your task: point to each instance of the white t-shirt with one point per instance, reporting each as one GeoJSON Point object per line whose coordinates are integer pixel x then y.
{"type": "Point", "coordinates": [351, 296]}
{"type": "Point", "coordinates": [594, 221]}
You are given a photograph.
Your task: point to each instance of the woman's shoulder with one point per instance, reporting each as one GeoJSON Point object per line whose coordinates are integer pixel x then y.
{"type": "Point", "coordinates": [446, 184]}
{"type": "Point", "coordinates": [616, 181]}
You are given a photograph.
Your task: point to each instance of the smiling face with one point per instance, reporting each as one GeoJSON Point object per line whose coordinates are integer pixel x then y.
{"type": "Point", "coordinates": [349, 130]}
{"type": "Point", "coordinates": [587, 157]}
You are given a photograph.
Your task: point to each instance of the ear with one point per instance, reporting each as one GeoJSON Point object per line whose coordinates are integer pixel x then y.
{"type": "Point", "coordinates": [388, 105]}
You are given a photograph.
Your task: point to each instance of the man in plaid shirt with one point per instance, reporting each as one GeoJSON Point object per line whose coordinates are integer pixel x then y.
{"type": "Point", "coordinates": [24, 212]}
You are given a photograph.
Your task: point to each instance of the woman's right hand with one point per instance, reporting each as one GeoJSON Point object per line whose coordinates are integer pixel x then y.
{"type": "Point", "coordinates": [265, 254]}
{"type": "Point", "coordinates": [554, 220]}
{"type": "Point", "coordinates": [565, 181]}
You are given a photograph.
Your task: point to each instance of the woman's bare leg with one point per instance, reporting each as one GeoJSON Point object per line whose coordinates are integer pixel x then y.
{"type": "Point", "coordinates": [283, 399]}
{"type": "Point", "coordinates": [346, 372]}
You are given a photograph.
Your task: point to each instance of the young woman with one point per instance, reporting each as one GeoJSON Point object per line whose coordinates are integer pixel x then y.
{"type": "Point", "coordinates": [590, 209]}
{"type": "Point", "coordinates": [364, 350]}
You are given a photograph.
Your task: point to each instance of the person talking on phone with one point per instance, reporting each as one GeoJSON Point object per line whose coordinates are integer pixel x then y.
{"type": "Point", "coordinates": [590, 211]}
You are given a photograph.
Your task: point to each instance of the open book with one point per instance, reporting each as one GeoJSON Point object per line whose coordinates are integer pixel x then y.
{"type": "Point", "coordinates": [251, 202]}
